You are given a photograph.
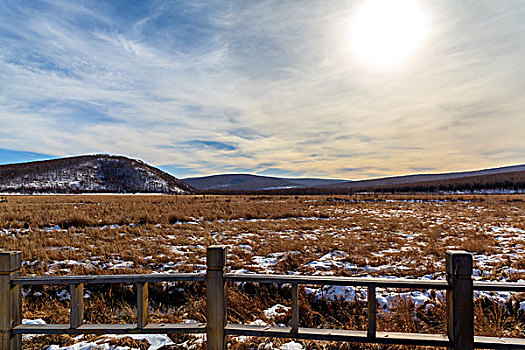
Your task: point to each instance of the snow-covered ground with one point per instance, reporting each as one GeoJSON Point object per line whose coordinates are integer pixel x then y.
{"type": "Point", "coordinates": [353, 238]}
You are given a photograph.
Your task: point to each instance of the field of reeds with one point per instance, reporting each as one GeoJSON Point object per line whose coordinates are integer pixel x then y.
{"type": "Point", "coordinates": [358, 235]}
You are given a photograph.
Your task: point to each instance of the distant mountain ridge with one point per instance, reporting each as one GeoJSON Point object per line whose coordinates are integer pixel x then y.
{"type": "Point", "coordinates": [104, 173]}
{"type": "Point", "coordinates": [502, 182]}
{"type": "Point", "coordinates": [89, 174]}
{"type": "Point", "coordinates": [504, 177]}
{"type": "Point", "coordinates": [248, 182]}
{"type": "Point", "coordinates": [408, 179]}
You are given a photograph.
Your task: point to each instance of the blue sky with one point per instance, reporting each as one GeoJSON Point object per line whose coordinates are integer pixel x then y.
{"type": "Point", "coordinates": [266, 87]}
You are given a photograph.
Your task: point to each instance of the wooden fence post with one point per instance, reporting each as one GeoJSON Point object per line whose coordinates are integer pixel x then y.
{"type": "Point", "coordinates": [77, 305]}
{"type": "Point", "coordinates": [460, 300]}
{"type": "Point", "coordinates": [372, 312]}
{"type": "Point", "coordinates": [10, 301]}
{"type": "Point", "coordinates": [216, 298]}
{"type": "Point", "coordinates": [142, 304]}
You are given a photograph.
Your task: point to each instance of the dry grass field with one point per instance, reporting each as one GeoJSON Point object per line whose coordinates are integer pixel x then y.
{"type": "Point", "coordinates": [359, 235]}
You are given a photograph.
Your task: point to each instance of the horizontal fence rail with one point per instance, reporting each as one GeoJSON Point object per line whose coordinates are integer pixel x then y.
{"type": "Point", "coordinates": [110, 279]}
{"type": "Point", "coordinates": [338, 281]}
{"type": "Point", "coordinates": [459, 288]}
{"type": "Point", "coordinates": [499, 286]}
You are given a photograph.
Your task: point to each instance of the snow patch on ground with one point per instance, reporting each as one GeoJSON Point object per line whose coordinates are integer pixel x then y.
{"type": "Point", "coordinates": [276, 310]}
{"type": "Point", "coordinates": [156, 341]}
{"type": "Point", "coordinates": [291, 346]}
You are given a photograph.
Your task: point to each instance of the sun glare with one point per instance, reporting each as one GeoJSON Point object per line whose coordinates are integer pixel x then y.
{"type": "Point", "coordinates": [386, 32]}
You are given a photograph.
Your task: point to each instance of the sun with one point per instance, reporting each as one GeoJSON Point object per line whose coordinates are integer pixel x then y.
{"type": "Point", "coordinates": [384, 33]}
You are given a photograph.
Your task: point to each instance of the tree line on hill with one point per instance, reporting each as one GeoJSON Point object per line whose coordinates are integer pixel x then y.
{"type": "Point", "coordinates": [93, 173]}
{"type": "Point", "coordinates": [511, 181]}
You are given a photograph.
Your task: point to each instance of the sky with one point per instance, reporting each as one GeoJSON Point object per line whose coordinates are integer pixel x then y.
{"type": "Point", "coordinates": [280, 88]}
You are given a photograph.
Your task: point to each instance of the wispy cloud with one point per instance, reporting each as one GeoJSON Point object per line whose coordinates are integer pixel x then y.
{"type": "Point", "coordinates": [208, 87]}
{"type": "Point", "coordinates": [215, 145]}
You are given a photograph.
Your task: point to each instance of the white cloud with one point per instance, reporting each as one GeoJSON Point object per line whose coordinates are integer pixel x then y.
{"type": "Point", "coordinates": [275, 79]}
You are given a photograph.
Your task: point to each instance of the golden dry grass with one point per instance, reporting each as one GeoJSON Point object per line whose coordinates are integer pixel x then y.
{"type": "Point", "coordinates": [377, 234]}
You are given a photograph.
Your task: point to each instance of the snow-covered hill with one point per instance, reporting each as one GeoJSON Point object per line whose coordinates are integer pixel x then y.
{"type": "Point", "coordinates": [89, 174]}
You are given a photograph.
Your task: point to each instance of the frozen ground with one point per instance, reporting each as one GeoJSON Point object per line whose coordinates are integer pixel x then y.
{"type": "Point", "coordinates": [353, 238]}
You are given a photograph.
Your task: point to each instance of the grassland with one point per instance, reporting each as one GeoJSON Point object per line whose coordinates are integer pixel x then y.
{"type": "Point", "coordinates": [359, 235]}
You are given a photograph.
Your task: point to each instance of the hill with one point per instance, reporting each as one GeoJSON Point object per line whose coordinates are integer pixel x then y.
{"type": "Point", "coordinates": [248, 182]}
{"type": "Point", "coordinates": [89, 174]}
{"type": "Point", "coordinates": [117, 174]}
{"type": "Point", "coordinates": [482, 177]}
{"type": "Point", "coordinates": [502, 179]}
{"type": "Point", "coordinates": [499, 182]}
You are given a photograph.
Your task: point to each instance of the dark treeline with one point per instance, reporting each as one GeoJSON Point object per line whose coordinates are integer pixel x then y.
{"type": "Point", "coordinates": [504, 181]}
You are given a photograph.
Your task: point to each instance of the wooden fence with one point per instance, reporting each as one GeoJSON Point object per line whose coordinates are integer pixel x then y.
{"type": "Point", "coordinates": [459, 288]}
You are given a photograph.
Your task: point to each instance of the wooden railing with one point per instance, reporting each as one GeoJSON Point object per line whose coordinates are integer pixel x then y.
{"type": "Point", "coordinates": [459, 287]}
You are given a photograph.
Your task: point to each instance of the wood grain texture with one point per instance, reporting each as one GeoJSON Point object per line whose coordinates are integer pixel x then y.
{"type": "Point", "coordinates": [142, 304]}
{"type": "Point", "coordinates": [163, 328]}
{"type": "Point", "coordinates": [103, 279]}
{"type": "Point", "coordinates": [77, 304]}
{"type": "Point", "coordinates": [10, 301]}
{"type": "Point", "coordinates": [372, 312]}
{"type": "Point", "coordinates": [216, 298]}
{"type": "Point", "coordinates": [295, 309]}
{"type": "Point", "coordinates": [338, 281]}
{"type": "Point", "coordinates": [460, 300]}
